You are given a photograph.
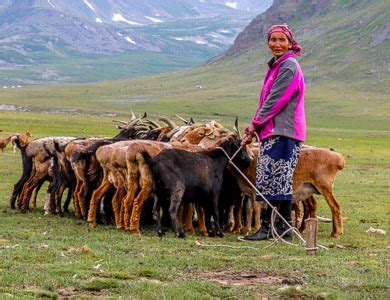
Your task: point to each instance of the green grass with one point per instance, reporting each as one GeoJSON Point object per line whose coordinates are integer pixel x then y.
{"type": "Point", "coordinates": [40, 256]}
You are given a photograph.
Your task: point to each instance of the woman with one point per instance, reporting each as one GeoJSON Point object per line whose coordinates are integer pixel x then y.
{"type": "Point", "coordinates": [281, 126]}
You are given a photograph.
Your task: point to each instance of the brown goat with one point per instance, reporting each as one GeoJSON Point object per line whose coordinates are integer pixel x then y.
{"type": "Point", "coordinates": [112, 159]}
{"type": "Point", "coordinates": [23, 139]}
{"type": "Point", "coordinates": [4, 142]}
{"type": "Point", "coordinates": [38, 162]}
{"type": "Point", "coordinates": [315, 174]}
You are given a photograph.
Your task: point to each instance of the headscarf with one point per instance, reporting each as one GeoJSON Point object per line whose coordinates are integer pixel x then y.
{"type": "Point", "coordinates": [296, 48]}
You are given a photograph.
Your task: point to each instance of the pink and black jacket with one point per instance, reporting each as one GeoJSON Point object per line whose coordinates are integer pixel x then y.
{"type": "Point", "coordinates": [281, 104]}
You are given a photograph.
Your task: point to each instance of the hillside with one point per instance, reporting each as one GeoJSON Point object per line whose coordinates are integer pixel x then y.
{"type": "Point", "coordinates": [342, 40]}
{"type": "Point", "coordinates": [346, 87]}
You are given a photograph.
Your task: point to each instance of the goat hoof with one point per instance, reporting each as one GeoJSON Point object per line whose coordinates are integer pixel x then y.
{"type": "Point", "coordinates": [204, 233]}
{"type": "Point", "coordinates": [211, 233]}
{"type": "Point", "coordinates": [92, 225]}
{"type": "Point", "coordinates": [220, 234]}
{"type": "Point", "coordinates": [135, 231]}
{"type": "Point", "coordinates": [181, 235]}
{"type": "Point", "coordinates": [335, 235]}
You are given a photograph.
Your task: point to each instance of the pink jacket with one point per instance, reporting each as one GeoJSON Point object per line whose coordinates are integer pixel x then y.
{"type": "Point", "coordinates": [281, 105]}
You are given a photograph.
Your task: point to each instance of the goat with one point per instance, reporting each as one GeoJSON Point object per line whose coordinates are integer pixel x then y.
{"type": "Point", "coordinates": [63, 177]}
{"type": "Point", "coordinates": [112, 159]}
{"type": "Point", "coordinates": [193, 177]}
{"type": "Point", "coordinates": [36, 163]}
{"type": "Point", "coordinates": [23, 139]}
{"type": "Point", "coordinates": [140, 180]}
{"type": "Point", "coordinates": [4, 142]}
{"type": "Point", "coordinates": [87, 170]}
{"type": "Point", "coordinates": [315, 174]}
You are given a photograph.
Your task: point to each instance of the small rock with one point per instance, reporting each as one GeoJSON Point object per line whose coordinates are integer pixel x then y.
{"type": "Point", "coordinates": [85, 249]}
{"type": "Point", "coordinates": [376, 231]}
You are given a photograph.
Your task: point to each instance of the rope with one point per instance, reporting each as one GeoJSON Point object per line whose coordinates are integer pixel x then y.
{"type": "Point", "coordinates": [227, 246]}
{"type": "Point", "coordinates": [275, 212]}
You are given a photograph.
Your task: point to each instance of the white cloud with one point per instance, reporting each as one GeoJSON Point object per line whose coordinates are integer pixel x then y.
{"type": "Point", "coordinates": [119, 18]}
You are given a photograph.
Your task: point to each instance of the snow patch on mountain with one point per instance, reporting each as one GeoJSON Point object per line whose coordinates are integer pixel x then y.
{"type": "Point", "coordinates": [51, 4]}
{"type": "Point", "coordinates": [128, 39]}
{"type": "Point", "coordinates": [154, 19]}
{"type": "Point", "coordinates": [98, 20]}
{"type": "Point", "coordinates": [89, 5]}
{"type": "Point", "coordinates": [119, 18]}
{"type": "Point", "coordinates": [232, 4]}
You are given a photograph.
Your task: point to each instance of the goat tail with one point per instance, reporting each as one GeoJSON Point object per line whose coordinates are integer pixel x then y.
{"type": "Point", "coordinates": [146, 157]}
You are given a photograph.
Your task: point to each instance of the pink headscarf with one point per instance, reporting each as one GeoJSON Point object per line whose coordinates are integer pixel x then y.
{"type": "Point", "coordinates": [296, 48]}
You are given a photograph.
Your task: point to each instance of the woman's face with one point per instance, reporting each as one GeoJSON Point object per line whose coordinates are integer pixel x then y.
{"type": "Point", "coordinates": [279, 44]}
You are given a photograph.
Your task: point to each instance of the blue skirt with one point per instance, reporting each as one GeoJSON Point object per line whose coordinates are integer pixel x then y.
{"type": "Point", "coordinates": [275, 168]}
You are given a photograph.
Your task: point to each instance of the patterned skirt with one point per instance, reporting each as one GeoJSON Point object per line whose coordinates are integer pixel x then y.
{"type": "Point", "coordinates": [276, 164]}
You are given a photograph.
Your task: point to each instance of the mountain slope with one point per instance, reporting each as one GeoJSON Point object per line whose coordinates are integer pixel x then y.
{"type": "Point", "coordinates": [342, 40]}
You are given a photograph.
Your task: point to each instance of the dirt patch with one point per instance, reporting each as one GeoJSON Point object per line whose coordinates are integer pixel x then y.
{"type": "Point", "coordinates": [69, 292]}
{"type": "Point", "coordinates": [238, 278]}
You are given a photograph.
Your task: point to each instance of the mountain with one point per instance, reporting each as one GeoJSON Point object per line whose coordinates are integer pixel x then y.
{"type": "Point", "coordinates": [40, 39]}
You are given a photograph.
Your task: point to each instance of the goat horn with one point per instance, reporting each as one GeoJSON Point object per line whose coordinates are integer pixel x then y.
{"type": "Point", "coordinates": [142, 132]}
{"type": "Point", "coordinates": [182, 119]}
{"type": "Point", "coordinates": [155, 124]}
{"type": "Point", "coordinates": [133, 116]}
{"type": "Point", "coordinates": [209, 131]}
{"type": "Point", "coordinates": [192, 121]}
{"type": "Point", "coordinates": [171, 133]}
{"type": "Point", "coordinates": [120, 121]}
{"type": "Point", "coordinates": [144, 115]}
{"type": "Point", "coordinates": [141, 127]}
{"type": "Point", "coordinates": [236, 127]}
{"type": "Point", "coordinates": [215, 124]}
{"type": "Point", "coordinates": [168, 122]}
{"type": "Point", "coordinates": [133, 122]}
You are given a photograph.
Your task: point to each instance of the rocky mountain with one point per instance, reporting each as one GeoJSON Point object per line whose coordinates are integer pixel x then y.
{"type": "Point", "coordinates": [55, 32]}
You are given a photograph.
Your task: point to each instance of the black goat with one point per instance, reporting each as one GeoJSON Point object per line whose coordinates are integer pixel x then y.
{"type": "Point", "coordinates": [179, 175]}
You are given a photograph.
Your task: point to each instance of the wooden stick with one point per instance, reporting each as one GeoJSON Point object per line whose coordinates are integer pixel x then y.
{"type": "Point", "coordinates": [311, 240]}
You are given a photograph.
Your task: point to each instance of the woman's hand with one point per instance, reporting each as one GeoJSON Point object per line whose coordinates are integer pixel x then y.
{"type": "Point", "coordinates": [248, 137]}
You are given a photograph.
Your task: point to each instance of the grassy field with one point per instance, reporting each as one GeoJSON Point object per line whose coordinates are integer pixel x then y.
{"type": "Point", "coordinates": [48, 256]}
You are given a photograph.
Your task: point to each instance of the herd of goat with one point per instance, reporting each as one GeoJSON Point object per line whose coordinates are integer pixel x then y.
{"type": "Point", "coordinates": [166, 173]}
